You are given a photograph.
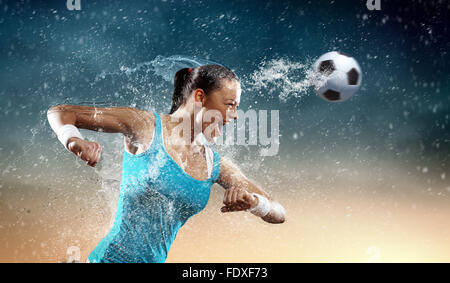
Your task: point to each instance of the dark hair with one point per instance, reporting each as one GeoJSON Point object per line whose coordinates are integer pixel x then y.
{"type": "Point", "coordinates": [206, 77]}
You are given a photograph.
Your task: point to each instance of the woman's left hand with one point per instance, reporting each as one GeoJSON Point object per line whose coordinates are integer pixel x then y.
{"type": "Point", "coordinates": [238, 199]}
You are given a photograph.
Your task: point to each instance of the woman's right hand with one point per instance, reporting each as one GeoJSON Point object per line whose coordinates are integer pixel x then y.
{"type": "Point", "coordinates": [86, 150]}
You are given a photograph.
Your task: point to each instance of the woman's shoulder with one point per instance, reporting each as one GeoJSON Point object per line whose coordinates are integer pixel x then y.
{"type": "Point", "coordinates": [145, 116]}
{"type": "Point", "coordinates": [143, 132]}
{"type": "Point", "coordinates": [144, 124]}
{"type": "Point", "coordinates": [145, 113]}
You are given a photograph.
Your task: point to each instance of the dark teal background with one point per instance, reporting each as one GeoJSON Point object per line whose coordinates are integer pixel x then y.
{"type": "Point", "coordinates": [50, 55]}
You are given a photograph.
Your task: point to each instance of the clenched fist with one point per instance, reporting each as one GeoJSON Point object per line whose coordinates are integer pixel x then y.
{"type": "Point", "coordinates": [86, 150]}
{"type": "Point", "coordinates": [237, 199]}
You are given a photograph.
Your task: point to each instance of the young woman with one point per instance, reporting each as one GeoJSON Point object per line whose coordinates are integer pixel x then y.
{"type": "Point", "coordinates": [167, 173]}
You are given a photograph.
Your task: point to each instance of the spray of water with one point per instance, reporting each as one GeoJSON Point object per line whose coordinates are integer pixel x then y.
{"type": "Point", "coordinates": [147, 85]}
{"type": "Point", "coordinates": [284, 78]}
{"type": "Point", "coordinates": [164, 67]}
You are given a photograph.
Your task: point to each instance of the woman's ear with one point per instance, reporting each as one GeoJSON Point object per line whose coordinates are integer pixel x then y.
{"type": "Point", "coordinates": [200, 96]}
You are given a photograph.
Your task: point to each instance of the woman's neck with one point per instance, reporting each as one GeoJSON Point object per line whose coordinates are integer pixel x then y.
{"type": "Point", "coordinates": [177, 125]}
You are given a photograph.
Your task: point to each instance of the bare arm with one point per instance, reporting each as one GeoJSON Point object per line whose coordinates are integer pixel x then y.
{"type": "Point", "coordinates": [239, 189]}
{"type": "Point", "coordinates": [109, 120]}
{"type": "Point", "coordinates": [125, 120]}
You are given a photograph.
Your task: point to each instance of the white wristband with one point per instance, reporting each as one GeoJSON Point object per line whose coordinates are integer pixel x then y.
{"type": "Point", "coordinates": [263, 207]}
{"type": "Point", "coordinates": [68, 131]}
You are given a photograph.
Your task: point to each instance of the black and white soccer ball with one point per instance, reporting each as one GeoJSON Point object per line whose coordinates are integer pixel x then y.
{"type": "Point", "coordinates": [338, 76]}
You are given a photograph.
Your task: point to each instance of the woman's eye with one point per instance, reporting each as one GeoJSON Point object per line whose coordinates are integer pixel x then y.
{"type": "Point", "coordinates": [231, 105]}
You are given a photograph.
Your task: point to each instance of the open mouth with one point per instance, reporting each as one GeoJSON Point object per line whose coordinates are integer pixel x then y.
{"type": "Point", "coordinates": [225, 122]}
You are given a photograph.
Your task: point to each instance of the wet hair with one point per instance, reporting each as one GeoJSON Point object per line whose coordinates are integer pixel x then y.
{"type": "Point", "coordinates": [206, 77]}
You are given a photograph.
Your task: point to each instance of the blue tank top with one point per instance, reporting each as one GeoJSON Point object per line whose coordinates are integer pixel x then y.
{"type": "Point", "coordinates": [156, 198]}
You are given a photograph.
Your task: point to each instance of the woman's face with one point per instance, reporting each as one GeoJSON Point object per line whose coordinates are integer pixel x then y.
{"type": "Point", "coordinates": [223, 101]}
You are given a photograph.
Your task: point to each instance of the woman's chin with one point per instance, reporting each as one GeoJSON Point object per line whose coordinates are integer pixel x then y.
{"type": "Point", "coordinates": [212, 139]}
{"type": "Point", "coordinates": [214, 135]}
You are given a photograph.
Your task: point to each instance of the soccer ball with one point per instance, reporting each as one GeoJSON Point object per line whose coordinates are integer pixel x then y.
{"type": "Point", "coordinates": [337, 76]}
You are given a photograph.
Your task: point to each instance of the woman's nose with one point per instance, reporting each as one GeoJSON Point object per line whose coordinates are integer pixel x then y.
{"type": "Point", "coordinates": [234, 114]}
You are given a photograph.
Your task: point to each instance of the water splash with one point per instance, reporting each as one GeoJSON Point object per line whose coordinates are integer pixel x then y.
{"type": "Point", "coordinates": [165, 67]}
{"type": "Point", "coordinates": [285, 78]}
{"type": "Point", "coordinates": [147, 85]}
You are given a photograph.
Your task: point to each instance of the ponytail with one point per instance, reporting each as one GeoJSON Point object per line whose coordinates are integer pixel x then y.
{"type": "Point", "coordinates": [180, 83]}
{"type": "Point", "coordinates": [207, 77]}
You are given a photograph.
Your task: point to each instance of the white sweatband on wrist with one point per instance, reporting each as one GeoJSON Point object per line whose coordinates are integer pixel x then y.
{"type": "Point", "coordinates": [66, 132]}
{"type": "Point", "coordinates": [263, 207]}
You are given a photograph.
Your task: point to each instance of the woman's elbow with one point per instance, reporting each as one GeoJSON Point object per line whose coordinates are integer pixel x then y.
{"type": "Point", "coordinates": [275, 220]}
{"type": "Point", "coordinates": [277, 215]}
{"type": "Point", "coordinates": [279, 220]}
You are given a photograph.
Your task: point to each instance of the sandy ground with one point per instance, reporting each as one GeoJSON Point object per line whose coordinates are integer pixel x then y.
{"type": "Point", "coordinates": [338, 220]}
